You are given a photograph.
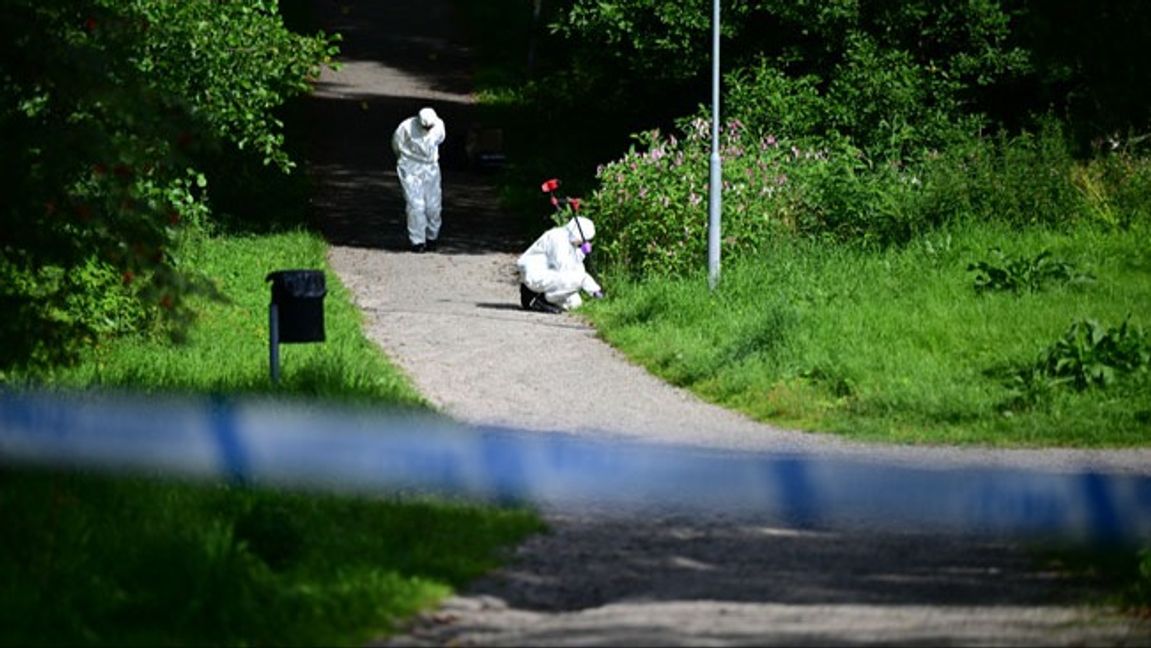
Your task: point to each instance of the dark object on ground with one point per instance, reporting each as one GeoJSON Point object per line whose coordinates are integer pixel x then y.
{"type": "Point", "coordinates": [534, 301]}
{"type": "Point", "coordinates": [485, 148]}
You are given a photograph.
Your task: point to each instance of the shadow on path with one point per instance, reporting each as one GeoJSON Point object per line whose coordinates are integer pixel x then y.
{"type": "Point", "coordinates": [384, 79]}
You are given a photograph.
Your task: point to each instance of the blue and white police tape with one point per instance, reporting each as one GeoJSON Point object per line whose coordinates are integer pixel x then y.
{"type": "Point", "coordinates": [285, 444]}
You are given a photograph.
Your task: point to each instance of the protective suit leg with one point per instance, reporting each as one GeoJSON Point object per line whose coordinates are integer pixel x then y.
{"type": "Point", "coordinates": [569, 302]}
{"type": "Point", "coordinates": [414, 200]}
{"type": "Point", "coordinates": [433, 203]}
{"type": "Point", "coordinates": [559, 287]}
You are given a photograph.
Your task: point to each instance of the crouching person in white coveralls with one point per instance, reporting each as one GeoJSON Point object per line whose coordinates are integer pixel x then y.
{"type": "Point", "coordinates": [552, 272]}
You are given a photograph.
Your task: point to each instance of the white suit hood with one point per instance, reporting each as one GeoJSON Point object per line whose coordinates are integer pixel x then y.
{"type": "Point", "coordinates": [580, 229]}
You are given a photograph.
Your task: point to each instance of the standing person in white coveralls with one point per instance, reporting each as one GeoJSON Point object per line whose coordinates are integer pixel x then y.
{"type": "Point", "coordinates": [416, 144]}
{"type": "Point", "coordinates": [552, 272]}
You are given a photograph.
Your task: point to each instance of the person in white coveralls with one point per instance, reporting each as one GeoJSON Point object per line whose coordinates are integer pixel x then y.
{"type": "Point", "coordinates": [552, 271]}
{"type": "Point", "coordinates": [416, 144]}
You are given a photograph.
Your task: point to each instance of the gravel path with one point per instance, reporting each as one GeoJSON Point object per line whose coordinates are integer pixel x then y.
{"type": "Point", "coordinates": [451, 321]}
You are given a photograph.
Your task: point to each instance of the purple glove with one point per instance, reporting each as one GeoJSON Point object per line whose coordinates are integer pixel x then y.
{"type": "Point", "coordinates": [585, 247]}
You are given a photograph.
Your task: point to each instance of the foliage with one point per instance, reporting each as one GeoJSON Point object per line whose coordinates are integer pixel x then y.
{"type": "Point", "coordinates": [1088, 68]}
{"type": "Point", "coordinates": [1022, 274]}
{"type": "Point", "coordinates": [89, 559]}
{"type": "Point", "coordinates": [643, 38]}
{"type": "Point", "coordinates": [652, 201]}
{"type": "Point", "coordinates": [1124, 568]}
{"type": "Point", "coordinates": [911, 68]}
{"type": "Point", "coordinates": [106, 108]}
{"type": "Point", "coordinates": [225, 349]}
{"type": "Point", "coordinates": [137, 560]}
{"type": "Point", "coordinates": [1088, 355]}
{"type": "Point", "coordinates": [893, 78]}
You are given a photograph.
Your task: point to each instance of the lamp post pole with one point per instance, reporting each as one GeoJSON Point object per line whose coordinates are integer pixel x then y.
{"type": "Point", "coordinates": [715, 183]}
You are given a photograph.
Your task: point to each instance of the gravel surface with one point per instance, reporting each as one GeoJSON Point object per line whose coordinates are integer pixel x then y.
{"type": "Point", "coordinates": [451, 321]}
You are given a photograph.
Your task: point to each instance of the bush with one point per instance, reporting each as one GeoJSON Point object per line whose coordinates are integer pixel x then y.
{"type": "Point", "coordinates": [107, 109]}
{"type": "Point", "coordinates": [652, 202]}
{"type": "Point", "coordinates": [1088, 355]}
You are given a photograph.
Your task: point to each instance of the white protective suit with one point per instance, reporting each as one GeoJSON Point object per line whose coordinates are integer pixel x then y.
{"type": "Point", "coordinates": [553, 265]}
{"type": "Point", "coordinates": [416, 144]}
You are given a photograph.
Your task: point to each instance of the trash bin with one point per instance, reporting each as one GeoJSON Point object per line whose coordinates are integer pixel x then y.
{"type": "Point", "coordinates": [298, 304]}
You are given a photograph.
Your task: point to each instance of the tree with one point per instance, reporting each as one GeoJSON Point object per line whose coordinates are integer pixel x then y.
{"type": "Point", "coordinates": [104, 108]}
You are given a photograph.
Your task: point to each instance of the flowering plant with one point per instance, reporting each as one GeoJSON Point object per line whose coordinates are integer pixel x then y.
{"type": "Point", "coordinates": [651, 204]}
{"type": "Point", "coordinates": [565, 207]}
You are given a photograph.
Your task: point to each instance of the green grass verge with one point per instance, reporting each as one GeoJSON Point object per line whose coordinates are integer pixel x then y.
{"type": "Point", "coordinates": [92, 560]}
{"type": "Point", "coordinates": [896, 346]}
{"type": "Point", "coordinates": [104, 560]}
{"type": "Point", "coordinates": [227, 348]}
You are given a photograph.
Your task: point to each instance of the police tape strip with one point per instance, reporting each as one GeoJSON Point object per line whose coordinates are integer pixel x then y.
{"type": "Point", "coordinates": [285, 444]}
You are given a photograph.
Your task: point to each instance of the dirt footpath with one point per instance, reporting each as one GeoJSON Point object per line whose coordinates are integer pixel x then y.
{"type": "Point", "coordinates": [451, 320]}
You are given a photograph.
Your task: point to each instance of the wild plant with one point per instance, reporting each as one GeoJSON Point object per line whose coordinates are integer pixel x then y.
{"type": "Point", "coordinates": [654, 200]}
{"type": "Point", "coordinates": [1022, 274]}
{"type": "Point", "coordinates": [1088, 355]}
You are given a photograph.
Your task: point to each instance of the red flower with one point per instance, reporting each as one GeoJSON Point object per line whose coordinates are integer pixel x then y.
{"type": "Point", "coordinates": [90, 24]}
{"type": "Point", "coordinates": [574, 202]}
{"type": "Point", "coordinates": [555, 202]}
{"type": "Point", "coordinates": [550, 185]}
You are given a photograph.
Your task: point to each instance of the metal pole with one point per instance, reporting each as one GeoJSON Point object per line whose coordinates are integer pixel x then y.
{"type": "Point", "coordinates": [274, 342]}
{"type": "Point", "coordinates": [715, 183]}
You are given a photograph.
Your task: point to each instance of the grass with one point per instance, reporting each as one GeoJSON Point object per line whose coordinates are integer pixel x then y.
{"type": "Point", "coordinates": [227, 349]}
{"type": "Point", "coordinates": [896, 346]}
{"type": "Point", "coordinates": [131, 561]}
{"type": "Point", "coordinates": [90, 559]}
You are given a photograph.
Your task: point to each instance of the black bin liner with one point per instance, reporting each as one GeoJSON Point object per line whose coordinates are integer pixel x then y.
{"type": "Point", "coordinates": [299, 299]}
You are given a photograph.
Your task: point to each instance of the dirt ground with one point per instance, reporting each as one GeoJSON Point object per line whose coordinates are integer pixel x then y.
{"type": "Point", "coordinates": [451, 320]}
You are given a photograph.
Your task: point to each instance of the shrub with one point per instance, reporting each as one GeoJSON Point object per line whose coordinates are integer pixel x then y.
{"type": "Point", "coordinates": [1088, 355]}
{"type": "Point", "coordinates": [108, 109]}
{"type": "Point", "coordinates": [652, 202]}
{"type": "Point", "coordinates": [1022, 274]}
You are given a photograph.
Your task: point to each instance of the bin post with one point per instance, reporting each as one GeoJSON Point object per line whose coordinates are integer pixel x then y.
{"type": "Point", "coordinates": [274, 342]}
